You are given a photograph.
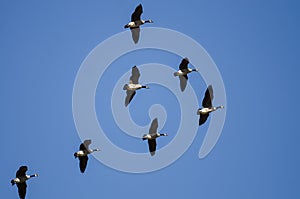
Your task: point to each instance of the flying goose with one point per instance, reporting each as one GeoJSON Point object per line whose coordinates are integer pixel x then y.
{"type": "Point", "coordinates": [207, 105]}
{"type": "Point", "coordinates": [136, 22]}
{"type": "Point", "coordinates": [183, 72]}
{"type": "Point", "coordinates": [133, 85]}
{"type": "Point", "coordinates": [82, 154]}
{"type": "Point", "coordinates": [21, 179]}
{"type": "Point", "coordinates": [151, 137]}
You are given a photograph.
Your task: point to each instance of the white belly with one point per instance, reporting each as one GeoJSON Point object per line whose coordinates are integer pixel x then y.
{"type": "Point", "coordinates": [134, 87]}
{"type": "Point", "coordinates": [204, 110]}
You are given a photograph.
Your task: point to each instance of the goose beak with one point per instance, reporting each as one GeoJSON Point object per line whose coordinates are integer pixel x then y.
{"type": "Point", "coordinates": [36, 175]}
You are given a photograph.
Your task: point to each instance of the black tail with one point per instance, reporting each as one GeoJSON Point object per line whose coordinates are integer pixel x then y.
{"type": "Point", "coordinates": [12, 182]}
{"type": "Point", "coordinates": [126, 26]}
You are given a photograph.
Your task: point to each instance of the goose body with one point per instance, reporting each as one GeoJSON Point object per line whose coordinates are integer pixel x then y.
{"type": "Point", "coordinates": [133, 85]}
{"type": "Point", "coordinates": [207, 106]}
{"type": "Point", "coordinates": [152, 135]}
{"type": "Point", "coordinates": [83, 153]}
{"type": "Point", "coordinates": [20, 181]}
{"type": "Point", "coordinates": [183, 72]}
{"type": "Point", "coordinates": [136, 22]}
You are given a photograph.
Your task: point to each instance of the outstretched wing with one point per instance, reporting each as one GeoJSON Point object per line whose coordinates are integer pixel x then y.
{"type": "Point", "coordinates": [85, 145]}
{"type": "Point", "coordinates": [22, 189]}
{"type": "Point", "coordinates": [135, 75]}
{"type": "Point", "coordinates": [135, 34]}
{"type": "Point", "coordinates": [129, 96]}
{"type": "Point", "coordinates": [153, 127]}
{"type": "Point", "coordinates": [21, 172]}
{"type": "Point", "coordinates": [207, 100]}
{"type": "Point", "coordinates": [83, 160]}
{"type": "Point", "coordinates": [136, 15]}
{"type": "Point", "coordinates": [183, 82]}
{"type": "Point", "coordinates": [203, 118]}
{"type": "Point", "coordinates": [184, 64]}
{"type": "Point", "coordinates": [152, 146]}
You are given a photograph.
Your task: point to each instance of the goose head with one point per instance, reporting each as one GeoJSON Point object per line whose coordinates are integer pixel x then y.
{"type": "Point", "coordinates": [149, 21]}
{"type": "Point", "coordinates": [163, 134]}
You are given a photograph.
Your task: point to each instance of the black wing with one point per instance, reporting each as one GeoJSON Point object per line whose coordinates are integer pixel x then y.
{"type": "Point", "coordinates": [82, 147]}
{"type": "Point", "coordinates": [152, 146]}
{"type": "Point", "coordinates": [135, 75]}
{"type": "Point", "coordinates": [184, 64]}
{"type": "Point", "coordinates": [129, 96]}
{"type": "Point", "coordinates": [85, 145]}
{"type": "Point", "coordinates": [21, 172]}
{"type": "Point", "coordinates": [83, 160]}
{"type": "Point", "coordinates": [153, 127]}
{"type": "Point", "coordinates": [22, 189]}
{"type": "Point", "coordinates": [136, 15]}
{"type": "Point", "coordinates": [203, 118]}
{"type": "Point", "coordinates": [207, 100]}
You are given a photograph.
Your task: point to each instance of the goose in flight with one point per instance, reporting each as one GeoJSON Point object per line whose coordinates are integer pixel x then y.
{"type": "Point", "coordinates": [133, 85]}
{"type": "Point", "coordinates": [83, 153]}
{"type": "Point", "coordinates": [183, 73]}
{"type": "Point", "coordinates": [136, 22]}
{"type": "Point", "coordinates": [207, 105]}
{"type": "Point", "coordinates": [152, 135]}
{"type": "Point", "coordinates": [21, 179]}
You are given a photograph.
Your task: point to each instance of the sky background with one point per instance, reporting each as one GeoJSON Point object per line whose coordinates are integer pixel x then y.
{"type": "Point", "coordinates": [255, 45]}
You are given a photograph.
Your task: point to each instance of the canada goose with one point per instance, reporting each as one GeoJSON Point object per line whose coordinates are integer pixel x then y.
{"type": "Point", "coordinates": [133, 85]}
{"type": "Point", "coordinates": [82, 154]}
{"type": "Point", "coordinates": [136, 22]}
{"type": "Point", "coordinates": [183, 72]}
{"type": "Point", "coordinates": [151, 137]}
{"type": "Point", "coordinates": [207, 105]}
{"type": "Point", "coordinates": [20, 180]}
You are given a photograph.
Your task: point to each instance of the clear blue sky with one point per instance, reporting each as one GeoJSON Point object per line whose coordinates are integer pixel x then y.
{"type": "Point", "coordinates": [255, 45]}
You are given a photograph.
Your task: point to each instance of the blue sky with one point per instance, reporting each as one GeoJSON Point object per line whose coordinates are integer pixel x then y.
{"type": "Point", "coordinates": [255, 46]}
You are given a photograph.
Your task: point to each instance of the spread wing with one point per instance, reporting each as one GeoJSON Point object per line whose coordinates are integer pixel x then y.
{"type": "Point", "coordinates": [21, 172]}
{"type": "Point", "coordinates": [83, 160]}
{"type": "Point", "coordinates": [136, 15]}
{"type": "Point", "coordinates": [203, 118]}
{"type": "Point", "coordinates": [135, 34]}
{"type": "Point", "coordinates": [152, 146]}
{"type": "Point", "coordinates": [22, 189]}
{"type": "Point", "coordinates": [183, 82]}
{"type": "Point", "coordinates": [153, 127]}
{"type": "Point", "coordinates": [85, 145]}
{"type": "Point", "coordinates": [184, 64]}
{"type": "Point", "coordinates": [135, 75]}
{"type": "Point", "coordinates": [207, 100]}
{"type": "Point", "coordinates": [129, 96]}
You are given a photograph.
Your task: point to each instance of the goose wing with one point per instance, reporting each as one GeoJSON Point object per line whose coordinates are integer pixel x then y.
{"type": "Point", "coordinates": [22, 189]}
{"type": "Point", "coordinates": [21, 172]}
{"type": "Point", "coordinates": [203, 118]}
{"type": "Point", "coordinates": [135, 75]}
{"type": "Point", "coordinates": [135, 34]}
{"type": "Point", "coordinates": [183, 82]}
{"type": "Point", "coordinates": [85, 145]}
{"type": "Point", "coordinates": [153, 127]}
{"type": "Point", "coordinates": [83, 160]}
{"type": "Point", "coordinates": [129, 95]}
{"type": "Point", "coordinates": [207, 100]}
{"type": "Point", "coordinates": [152, 146]}
{"type": "Point", "coordinates": [184, 64]}
{"type": "Point", "coordinates": [136, 15]}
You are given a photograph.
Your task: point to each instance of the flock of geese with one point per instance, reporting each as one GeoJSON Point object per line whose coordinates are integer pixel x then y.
{"type": "Point", "coordinates": [131, 88]}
